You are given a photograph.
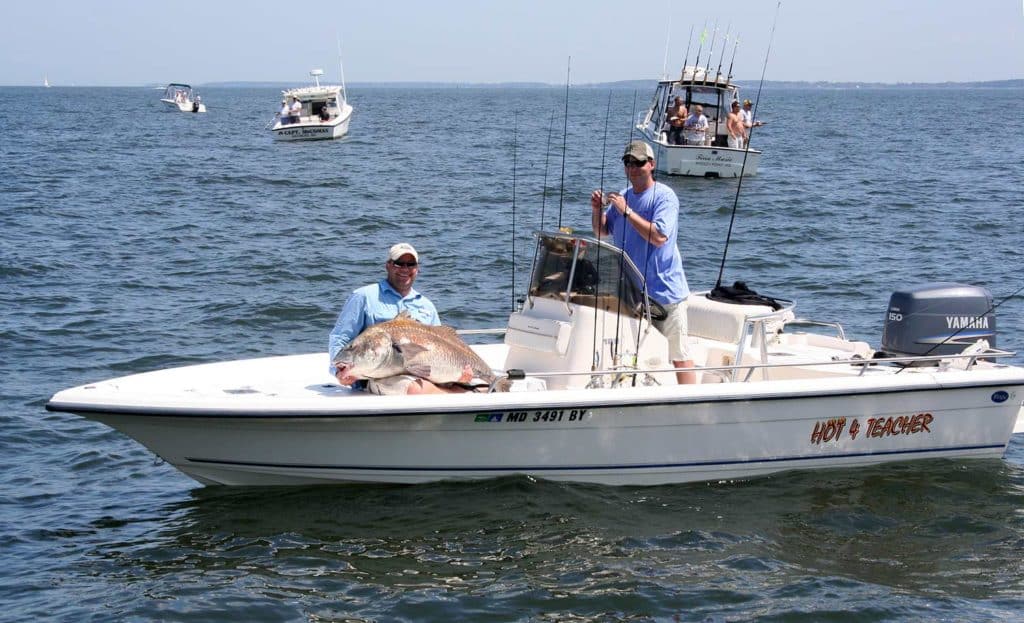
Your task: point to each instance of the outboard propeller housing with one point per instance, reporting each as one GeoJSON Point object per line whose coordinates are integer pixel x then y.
{"type": "Point", "coordinates": [938, 319]}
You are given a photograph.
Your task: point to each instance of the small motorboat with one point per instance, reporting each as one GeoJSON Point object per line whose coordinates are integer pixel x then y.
{"type": "Point", "coordinates": [316, 112]}
{"type": "Point", "coordinates": [183, 98]}
{"type": "Point", "coordinates": [593, 398]}
{"type": "Point", "coordinates": [710, 154]}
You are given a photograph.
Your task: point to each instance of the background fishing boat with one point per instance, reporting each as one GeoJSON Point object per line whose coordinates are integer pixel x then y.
{"type": "Point", "coordinates": [323, 112]}
{"type": "Point", "coordinates": [181, 97]}
{"type": "Point", "coordinates": [711, 156]}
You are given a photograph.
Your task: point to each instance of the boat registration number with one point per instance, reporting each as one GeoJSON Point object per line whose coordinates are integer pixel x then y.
{"type": "Point", "coordinates": [541, 415]}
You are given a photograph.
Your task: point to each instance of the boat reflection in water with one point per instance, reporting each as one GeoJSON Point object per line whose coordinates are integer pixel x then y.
{"type": "Point", "coordinates": [593, 397]}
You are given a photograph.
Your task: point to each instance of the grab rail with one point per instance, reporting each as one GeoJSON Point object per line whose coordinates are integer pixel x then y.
{"type": "Point", "coordinates": [864, 364]}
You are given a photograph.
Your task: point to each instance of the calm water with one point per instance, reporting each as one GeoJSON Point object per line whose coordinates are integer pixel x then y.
{"type": "Point", "coordinates": [134, 239]}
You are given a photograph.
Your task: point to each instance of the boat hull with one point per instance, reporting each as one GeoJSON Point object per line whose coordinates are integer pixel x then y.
{"type": "Point", "coordinates": [314, 129]}
{"type": "Point", "coordinates": [182, 106]}
{"type": "Point", "coordinates": [700, 161]}
{"type": "Point", "coordinates": [627, 436]}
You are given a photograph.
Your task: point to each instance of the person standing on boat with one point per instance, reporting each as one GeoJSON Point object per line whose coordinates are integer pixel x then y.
{"type": "Point", "coordinates": [380, 302]}
{"type": "Point", "coordinates": [296, 110]}
{"type": "Point", "coordinates": [734, 125]}
{"type": "Point", "coordinates": [675, 121]}
{"type": "Point", "coordinates": [644, 221]}
{"type": "Point", "coordinates": [285, 113]}
{"type": "Point", "coordinates": [696, 126]}
{"type": "Point", "coordinates": [748, 117]}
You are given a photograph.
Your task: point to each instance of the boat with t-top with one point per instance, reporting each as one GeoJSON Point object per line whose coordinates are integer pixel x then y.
{"type": "Point", "coordinates": [592, 396]}
{"type": "Point", "coordinates": [312, 113]}
{"type": "Point", "coordinates": [703, 152]}
{"type": "Point", "coordinates": [182, 97]}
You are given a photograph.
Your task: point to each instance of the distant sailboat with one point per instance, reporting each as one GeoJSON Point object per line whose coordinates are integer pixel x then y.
{"type": "Point", "coordinates": [46, 83]}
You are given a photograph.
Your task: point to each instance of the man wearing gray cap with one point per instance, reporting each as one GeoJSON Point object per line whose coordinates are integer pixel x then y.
{"type": "Point", "coordinates": [380, 302]}
{"type": "Point", "coordinates": [644, 221]}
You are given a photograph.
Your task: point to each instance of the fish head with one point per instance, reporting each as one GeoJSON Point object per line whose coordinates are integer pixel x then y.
{"type": "Point", "coordinates": [372, 355]}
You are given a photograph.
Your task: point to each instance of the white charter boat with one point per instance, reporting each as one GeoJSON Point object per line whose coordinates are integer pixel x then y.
{"type": "Point", "coordinates": [324, 113]}
{"type": "Point", "coordinates": [711, 157]}
{"type": "Point", "coordinates": [182, 97]}
{"type": "Point", "coordinates": [593, 397]}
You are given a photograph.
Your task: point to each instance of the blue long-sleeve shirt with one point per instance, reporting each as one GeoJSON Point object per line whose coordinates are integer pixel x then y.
{"type": "Point", "coordinates": [375, 303]}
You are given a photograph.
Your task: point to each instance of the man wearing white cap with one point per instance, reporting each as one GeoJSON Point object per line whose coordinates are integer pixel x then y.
{"type": "Point", "coordinates": [644, 221]}
{"type": "Point", "coordinates": [383, 301]}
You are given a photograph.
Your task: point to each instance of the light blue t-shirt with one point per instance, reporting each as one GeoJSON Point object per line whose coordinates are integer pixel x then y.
{"type": "Point", "coordinates": [376, 303]}
{"type": "Point", "coordinates": [662, 266]}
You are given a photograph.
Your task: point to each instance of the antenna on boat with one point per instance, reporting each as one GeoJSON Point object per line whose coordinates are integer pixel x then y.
{"type": "Point", "coordinates": [565, 134]}
{"type": "Point", "coordinates": [341, 67]}
{"type": "Point", "coordinates": [746, 148]}
{"type": "Point", "coordinates": [668, 37]}
{"type": "Point", "coordinates": [515, 131]}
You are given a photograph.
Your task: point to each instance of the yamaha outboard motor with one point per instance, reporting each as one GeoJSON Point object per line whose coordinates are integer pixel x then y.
{"type": "Point", "coordinates": [937, 319]}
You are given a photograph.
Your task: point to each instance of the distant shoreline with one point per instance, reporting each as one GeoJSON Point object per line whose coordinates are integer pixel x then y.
{"type": "Point", "coordinates": [621, 84]}
{"type": "Point", "coordinates": [644, 84]}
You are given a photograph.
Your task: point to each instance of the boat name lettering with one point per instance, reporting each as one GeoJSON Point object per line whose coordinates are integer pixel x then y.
{"type": "Point", "coordinates": [828, 430]}
{"type": "Point", "coordinates": [717, 158]}
{"type": "Point", "coordinates": [900, 425]}
{"type": "Point", "coordinates": [543, 415]}
{"type": "Point", "coordinates": [832, 429]}
{"type": "Point", "coordinates": [302, 131]}
{"type": "Point", "coordinates": [967, 322]}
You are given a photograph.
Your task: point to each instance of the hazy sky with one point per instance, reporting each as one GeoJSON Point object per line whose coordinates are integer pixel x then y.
{"type": "Point", "coordinates": [134, 42]}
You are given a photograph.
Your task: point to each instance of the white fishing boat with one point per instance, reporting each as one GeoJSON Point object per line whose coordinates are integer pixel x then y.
{"type": "Point", "coordinates": [709, 155]}
{"type": "Point", "coordinates": [182, 97]}
{"type": "Point", "coordinates": [323, 112]}
{"type": "Point", "coordinates": [593, 397]}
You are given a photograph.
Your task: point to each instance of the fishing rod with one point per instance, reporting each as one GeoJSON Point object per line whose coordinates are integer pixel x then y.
{"type": "Point", "coordinates": [733, 59]}
{"type": "Point", "coordinates": [686, 59]}
{"type": "Point", "coordinates": [746, 150]}
{"type": "Point", "coordinates": [565, 134]}
{"type": "Point", "coordinates": [711, 52]}
{"type": "Point", "coordinates": [725, 44]}
{"type": "Point", "coordinates": [622, 261]}
{"type": "Point", "coordinates": [544, 190]}
{"type": "Point", "coordinates": [515, 131]}
{"type": "Point", "coordinates": [604, 155]}
{"type": "Point", "coordinates": [547, 155]}
{"type": "Point", "coordinates": [700, 46]}
{"type": "Point", "coordinates": [968, 325]}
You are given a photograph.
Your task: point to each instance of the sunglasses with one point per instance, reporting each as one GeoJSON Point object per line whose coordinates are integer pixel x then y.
{"type": "Point", "coordinates": [404, 264]}
{"type": "Point", "coordinates": [633, 162]}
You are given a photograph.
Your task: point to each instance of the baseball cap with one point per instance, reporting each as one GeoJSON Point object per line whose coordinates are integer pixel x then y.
{"type": "Point", "coordinates": [400, 249]}
{"type": "Point", "coordinates": [639, 150]}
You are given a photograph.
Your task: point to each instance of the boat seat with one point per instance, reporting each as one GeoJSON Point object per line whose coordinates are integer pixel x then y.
{"type": "Point", "coordinates": [724, 322]}
{"type": "Point", "coordinates": [539, 334]}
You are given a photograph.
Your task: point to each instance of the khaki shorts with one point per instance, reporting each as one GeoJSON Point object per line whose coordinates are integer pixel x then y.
{"type": "Point", "coordinates": [673, 327]}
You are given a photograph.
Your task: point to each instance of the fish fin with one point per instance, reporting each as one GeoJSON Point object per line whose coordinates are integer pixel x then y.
{"type": "Point", "coordinates": [447, 332]}
{"type": "Point", "coordinates": [421, 370]}
{"type": "Point", "coordinates": [410, 349]}
{"type": "Point", "coordinates": [404, 317]}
